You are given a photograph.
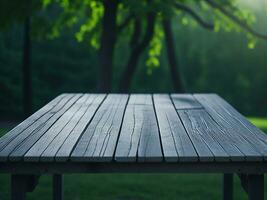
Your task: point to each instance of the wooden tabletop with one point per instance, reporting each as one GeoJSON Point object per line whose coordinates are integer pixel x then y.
{"type": "Point", "coordinates": [181, 128]}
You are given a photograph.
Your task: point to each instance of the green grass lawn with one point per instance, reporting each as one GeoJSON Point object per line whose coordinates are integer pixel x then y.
{"type": "Point", "coordinates": [259, 122]}
{"type": "Point", "coordinates": [135, 187]}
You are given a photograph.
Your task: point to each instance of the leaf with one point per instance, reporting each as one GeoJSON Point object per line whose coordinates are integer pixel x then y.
{"type": "Point", "coordinates": [155, 48]}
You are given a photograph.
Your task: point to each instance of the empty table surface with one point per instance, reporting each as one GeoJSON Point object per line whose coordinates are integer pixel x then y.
{"type": "Point", "coordinates": [135, 128]}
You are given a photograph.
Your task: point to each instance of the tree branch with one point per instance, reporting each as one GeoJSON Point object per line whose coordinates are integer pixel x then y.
{"type": "Point", "coordinates": [194, 15]}
{"type": "Point", "coordinates": [149, 31]}
{"type": "Point", "coordinates": [137, 50]}
{"type": "Point", "coordinates": [136, 34]}
{"type": "Point", "coordinates": [172, 57]}
{"type": "Point", "coordinates": [238, 21]}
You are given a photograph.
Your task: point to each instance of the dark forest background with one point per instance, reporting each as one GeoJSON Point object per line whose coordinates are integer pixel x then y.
{"type": "Point", "coordinates": [222, 63]}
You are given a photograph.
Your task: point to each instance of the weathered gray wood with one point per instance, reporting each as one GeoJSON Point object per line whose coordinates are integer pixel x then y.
{"type": "Point", "coordinates": [30, 131]}
{"type": "Point", "coordinates": [39, 147]}
{"type": "Point", "coordinates": [185, 101]}
{"type": "Point", "coordinates": [252, 129]}
{"type": "Point", "coordinates": [240, 118]}
{"type": "Point", "coordinates": [8, 137]}
{"type": "Point", "coordinates": [64, 152]}
{"type": "Point", "coordinates": [140, 99]}
{"type": "Point", "coordinates": [90, 128]}
{"type": "Point", "coordinates": [228, 120]}
{"type": "Point", "coordinates": [139, 138]}
{"type": "Point", "coordinates": [221, 145]}
{"type": "Point", "coordinates": [130, 134]}
{"type": "Point", "coordinates": [175, 142]}
{"type": "Point", "coordinates": [202, 142]}
{"type": "Point", "coordinates": [28, 139]}
{"type": "Point", "coordinates": [53, 147]}
{"type": "Point", "coordinates": [98, 141]}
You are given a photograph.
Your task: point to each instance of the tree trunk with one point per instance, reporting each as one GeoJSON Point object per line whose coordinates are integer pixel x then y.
{"type": "Point", "coordinates": [137, 51]}
{"type": "Point", "coordinates": [108, 40]}
{"type": "Point", "coordinates": [26, 69]}
{"type": "Point", "coordinates": [173, 64]}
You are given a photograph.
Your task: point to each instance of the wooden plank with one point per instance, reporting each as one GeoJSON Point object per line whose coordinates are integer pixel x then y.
{"type": "Point", "coordinates": [185, 101]}
{"type": "Point", "coordinates": [240, 118]}
{"type": "Point", "coordinates": [34, 153]}
{"type": "Point", "coordinates": [74, 124]}
{"type": "Point", "coordinates": [65, 150]}
{"type": "Point", "coordinates": [230, 146]}
{"type": "Point", "coordinates": [250, 143]}
{"type": "Point", "coordinates": [98, 141]}
{"type": "Point", "coordinates": [28, 133]}
{"type": "Point", "coordinates": [221, 145]}
{"type": "Point", "coordinates": [41, 127]}
{"type": "Point", "coordinates": [5, 140]}
{"type": "Point", "coordinates": [140, 99]}
{"type": "Point", "coordinates": [202, 142]}
{"type": "Point", "coordinates": [176, 143]}
{"type": "Point", "coordinates": [139, 138]}
{"type": "Point", "coordinates": [130, 134]}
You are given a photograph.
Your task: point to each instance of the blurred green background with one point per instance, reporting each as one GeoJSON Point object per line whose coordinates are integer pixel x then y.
{"type": "Point", "coordinates": [222, 62]}
{"type": "Point", "coordinates": [226, 62]}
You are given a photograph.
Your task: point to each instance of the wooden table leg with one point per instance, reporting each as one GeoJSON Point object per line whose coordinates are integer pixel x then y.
{"type": "Point", "coordinates": [228, 187]}
{"type": "Point", "coordinates": [21, 184]}
{"type": "Point", "coordinates": [58, 187]}
{"type": "Point", "coordinates": [255, 187]}
{"type": "Point", "coordinates": [18, 187]}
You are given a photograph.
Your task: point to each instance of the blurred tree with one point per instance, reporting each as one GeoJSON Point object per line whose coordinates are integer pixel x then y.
{"type": "Point", "coordinates": [21, 11]}
{"type": "Point", "coordinates": [144, 23]}
{"type": "Point", "coordinates": [26, 69]}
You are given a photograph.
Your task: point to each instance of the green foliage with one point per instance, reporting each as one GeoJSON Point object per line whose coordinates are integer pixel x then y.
{"type": "Point", "coordinates": [97, 11]}
{"type": "Point", "coordinates": [155, 48]}
{"type": "Point", "coordinates": [66, 38]}
{"type": "Point", "coordinates": [88, 15]}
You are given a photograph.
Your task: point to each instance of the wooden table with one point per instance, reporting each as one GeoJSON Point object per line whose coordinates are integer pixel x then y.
{"type": "Point", "coordinates": [99, 133]}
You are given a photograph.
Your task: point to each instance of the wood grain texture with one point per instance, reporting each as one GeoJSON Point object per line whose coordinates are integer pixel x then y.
{"type": "Point", "coordinates": [65, 150]}
{"type": "Point", "coordinates": [98, 142]}
{"type": "Point", "coordinates": [4, 140]}
{"type": "Point", "coordinates": [35, 152]}
{"type": "Point", "coordinates": [73, 125]}
{"type": "Point", "coordinates": [17, 145]}
{"type": "Point", "coordinates": [176, 143]}
{"type": "Point", "coordinates": [251, 143]}
{"type": "Point", "coordinates": [185, 101]}
{"type": "Point", "coordinates": [136, 128]}
{"type": "Point", "coordinates": [44, 124]}
{"type": "Point", "coordinates": [198, 140]}
{"type": "Point", "coordinates": [221, 145]}
{"type": "Point", "coordinates": [139, 139]}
